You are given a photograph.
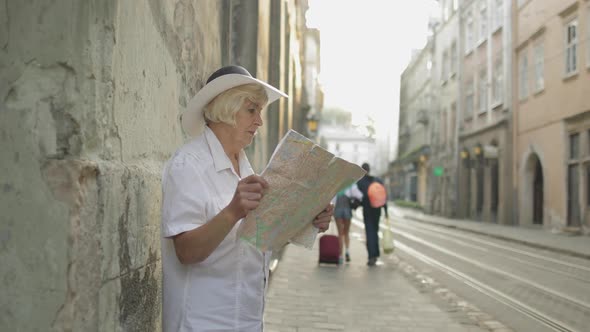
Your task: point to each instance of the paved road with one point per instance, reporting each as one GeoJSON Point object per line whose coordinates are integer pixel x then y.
{"type": "Point", "coordinates": [531, 279]}
{"type": "Point", "coordinates": [304, 296]}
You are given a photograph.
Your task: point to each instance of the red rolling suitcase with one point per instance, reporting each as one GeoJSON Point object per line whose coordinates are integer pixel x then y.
{"type": "Point", "coordinates": [329, 249]}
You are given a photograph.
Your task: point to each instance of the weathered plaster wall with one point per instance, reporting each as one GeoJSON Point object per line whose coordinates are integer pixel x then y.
{"type": "Point", "coordinates": [90, 94]}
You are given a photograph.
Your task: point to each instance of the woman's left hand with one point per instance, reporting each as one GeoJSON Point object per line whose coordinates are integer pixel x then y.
{"type": "Point", "coordinates": [322, 220]}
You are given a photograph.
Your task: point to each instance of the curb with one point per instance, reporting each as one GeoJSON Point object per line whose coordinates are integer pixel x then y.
{"type": "Point", "coordinates": [505, 238]}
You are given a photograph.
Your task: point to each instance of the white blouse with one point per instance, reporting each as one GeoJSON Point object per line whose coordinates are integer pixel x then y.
{"type": "Point", "coordinates": [225, 292]}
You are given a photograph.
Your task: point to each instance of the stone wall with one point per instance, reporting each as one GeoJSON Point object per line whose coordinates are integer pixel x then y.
{"type": "Point", "coordinates": [90, 97]}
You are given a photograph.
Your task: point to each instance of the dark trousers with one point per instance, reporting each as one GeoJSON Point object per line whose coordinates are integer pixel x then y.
{"type": "Point", "coordinates": [371, 219]}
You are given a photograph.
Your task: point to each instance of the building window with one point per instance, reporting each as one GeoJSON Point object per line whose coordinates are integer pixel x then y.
{"type": "Point", "coordinates": [468, 99]}
{"type": "Point", "coordinates": [498, 75]}
{"type": "Point", "coordinates": [443, 127]}
{"type": "Point", "coordinates": [539, 55]}
{"type": "Point", "coordinates": [445, 66]}
{"type": "Point", "coordinates": [499, 14]}
{"type": "Point", "coordinates": [523, 79]}
{"type": "Point", "coordinates": [455, 5]}
{"type": "Point", "coordinates": [588, 39]}
{"type": "Point", "coordinates": [571, 47]}
{"type": "Point", "coordinates": [451, 131]}
{"type": "Point", "coordinates": [483, 19]}
{"type": "Point", "coordinates": [469, 33]}
{"type": "Point", "coordinates": [482, 99]}
{"type": "Point", "coordinates": [574, 146]}
{"type": "Point", "coordinates": [446, 10]}
{"type": "Point", "coordinates": [454, 60]}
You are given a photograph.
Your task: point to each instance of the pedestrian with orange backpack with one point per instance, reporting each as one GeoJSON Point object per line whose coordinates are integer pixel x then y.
{"type": "Point", "coordinates": [374, 199]}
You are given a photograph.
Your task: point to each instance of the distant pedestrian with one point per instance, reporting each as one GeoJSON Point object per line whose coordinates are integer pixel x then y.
{"type": "Point", "coordinates": [344, 203]}
{"type": "Point", "coordinates": [372, 213]}
{"type": "Point", "coordinates": [213, 281]}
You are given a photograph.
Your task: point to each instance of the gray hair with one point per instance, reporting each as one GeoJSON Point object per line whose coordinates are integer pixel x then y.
{"type": "Point", "coordinates": [224, 107]}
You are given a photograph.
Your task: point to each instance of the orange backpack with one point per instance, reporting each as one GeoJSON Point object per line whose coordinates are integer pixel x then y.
{"type": "Point", "coordinates": [377, 194]}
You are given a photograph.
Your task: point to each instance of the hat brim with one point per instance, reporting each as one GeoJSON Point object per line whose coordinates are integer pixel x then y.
{"type": "Point", "coordinates": [193, 121]}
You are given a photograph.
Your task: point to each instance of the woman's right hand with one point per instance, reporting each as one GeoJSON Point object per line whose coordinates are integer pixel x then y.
{"type": "Point", "coordinates": [247, 197]}
{"type": "Point", "coordinates": [196, 245]}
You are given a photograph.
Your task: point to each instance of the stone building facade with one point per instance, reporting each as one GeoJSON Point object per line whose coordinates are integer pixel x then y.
{"type": "Point", "coordinates": [521, 144]}
{"type": "Point", "coordinates": [467, 163]}
{"type": "Point", "coordinates": [408, 175]}
{"type": "Point", "coordinates": [485, 129]}
{"type": "Point", "coordinates": [91, 94]}
{"type": "Point", "coordinates": [552, 114]}
{"type": "Point", "coordinates": [347, 143]}
{"type": "Point", "coordinates": [313, 96]}
{"type": "Point", "coordinates": [445, 120]}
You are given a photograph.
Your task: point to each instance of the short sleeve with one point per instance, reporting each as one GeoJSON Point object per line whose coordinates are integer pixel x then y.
{"type": "Point", "coordinates": [355, 192]}
{"type": "Point", "coordinates": [333, 201]}
{"type": "Point", "coordinates": [183, 197]}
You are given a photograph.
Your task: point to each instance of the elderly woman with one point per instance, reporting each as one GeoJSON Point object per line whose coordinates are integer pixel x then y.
{"type": "Point", "coordinates": [212, 280]}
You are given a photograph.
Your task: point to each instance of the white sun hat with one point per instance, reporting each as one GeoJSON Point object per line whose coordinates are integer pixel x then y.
{"type": "Point", "coordinates": [225, 78]}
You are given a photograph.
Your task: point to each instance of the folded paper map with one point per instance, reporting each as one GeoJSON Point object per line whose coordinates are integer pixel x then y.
{"type": "Point", "coordinates": [303, 178]}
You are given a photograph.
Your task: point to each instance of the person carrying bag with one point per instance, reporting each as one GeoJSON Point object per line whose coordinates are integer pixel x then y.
{"type": "Point", "coordinates": [387, 243]}
{"type": "Point", "coordinates": [374, 200]}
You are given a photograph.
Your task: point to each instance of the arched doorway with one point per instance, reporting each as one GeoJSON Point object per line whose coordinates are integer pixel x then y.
{"type": "Point", "coordinates": [538, 193]}
{"type": "Point", "coordinates": [532, 192]}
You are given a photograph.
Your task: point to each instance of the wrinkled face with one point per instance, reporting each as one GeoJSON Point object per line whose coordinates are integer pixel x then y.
{"type": "Point", "coordinates": [248, 119]}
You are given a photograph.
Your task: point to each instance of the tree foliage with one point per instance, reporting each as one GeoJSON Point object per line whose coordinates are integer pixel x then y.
{"type": "Point", "coordinates": [336, 116]}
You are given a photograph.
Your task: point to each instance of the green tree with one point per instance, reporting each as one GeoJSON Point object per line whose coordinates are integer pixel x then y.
{"type": "Point", "coordinates": [336, 116]}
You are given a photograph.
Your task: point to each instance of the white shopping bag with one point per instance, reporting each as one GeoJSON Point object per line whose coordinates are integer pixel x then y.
{"type": "Point", "coordinates": [387, 241]}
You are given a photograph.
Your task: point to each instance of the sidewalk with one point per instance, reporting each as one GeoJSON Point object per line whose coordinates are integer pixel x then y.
{"type": "Point", "coordinates": [574, 245]}
{"type": "Point", "coordinates": [305, 296]}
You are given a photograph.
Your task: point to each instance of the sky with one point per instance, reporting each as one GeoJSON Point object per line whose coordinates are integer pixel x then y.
{"type": "Point", "coordinates": [365, 46]}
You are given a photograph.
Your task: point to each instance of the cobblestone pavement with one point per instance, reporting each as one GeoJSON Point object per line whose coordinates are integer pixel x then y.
{"type": "Point", "coordinates": [305, 296]}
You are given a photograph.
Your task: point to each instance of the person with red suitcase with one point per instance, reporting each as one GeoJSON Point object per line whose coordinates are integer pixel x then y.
{"type": "Point", "coordinates": [344, 204]}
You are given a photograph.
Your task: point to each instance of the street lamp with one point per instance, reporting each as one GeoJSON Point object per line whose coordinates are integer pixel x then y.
{"type": "Point", "coordinates": [477, 150]}
{"type": "Point", "coordinates": [464, 154]}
